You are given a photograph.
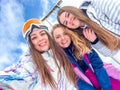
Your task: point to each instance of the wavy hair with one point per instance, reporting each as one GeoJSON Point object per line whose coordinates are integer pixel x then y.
{"type": "Point", "coordinates": [107, 38]}
{"type": "Point", "coordinates": [80, 44]}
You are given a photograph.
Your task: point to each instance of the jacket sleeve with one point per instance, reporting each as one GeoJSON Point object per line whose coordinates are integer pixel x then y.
{"type": "Point", "coordinates": [112, 71]}
{"type": "Point", "coordinates": [103, 13]}
{"type": "Point", "coordinates": [102, 49]}
{"type": "Point", "coordinates": [99, 70]}
{"type": "Point", "coordinates": [21, 76]}
{"type": "Point", "coordinates": [82, 85]}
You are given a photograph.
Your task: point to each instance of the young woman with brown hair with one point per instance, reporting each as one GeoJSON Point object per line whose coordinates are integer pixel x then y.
{"type": "Point", "coordinates": [104, 41]}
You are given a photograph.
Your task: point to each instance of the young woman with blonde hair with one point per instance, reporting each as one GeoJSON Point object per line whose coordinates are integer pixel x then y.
{"type": "Point", "coordinates": [83, 57]}
{"type": "Point", "coordinates": [76, 49]}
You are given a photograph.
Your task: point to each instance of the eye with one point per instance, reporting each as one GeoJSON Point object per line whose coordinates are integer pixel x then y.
{"type": "Point", "coordinates": [43, 33]}
{"type": "Point", "coordinates": [65, 23]}
{"type": "Point", "coordinates": [33, 37]}
{"type": "Point", "coordinates": [57, 37]}
{"type": "Point", "coordinates": [66, 16]}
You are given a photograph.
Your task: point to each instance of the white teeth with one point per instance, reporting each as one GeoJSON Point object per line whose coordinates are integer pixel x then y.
{"type": "Point", "coordinates": [42, 44]}
{"type": "Point", "coordinates": [64, 42]}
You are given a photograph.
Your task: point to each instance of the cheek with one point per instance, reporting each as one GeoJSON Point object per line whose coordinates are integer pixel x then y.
{"type": "Point", "coordinates": [34, 43]}
{"type": "Point", "coordinates": [37, 48]}
{"type": "Point", "coordinates": [68, 37]}
{"type": "Point", "coordinates": [61, 19]}
{"type": "Point", "coordinates": [58, 41]}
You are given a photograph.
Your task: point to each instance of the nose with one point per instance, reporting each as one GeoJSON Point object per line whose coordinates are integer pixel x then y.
{"type": "Point", "coordinates": [69, 21]}
{"type": "Point", "coordinates": [40, 38]}
{"type": "Point", "coordinates": [62, 37]}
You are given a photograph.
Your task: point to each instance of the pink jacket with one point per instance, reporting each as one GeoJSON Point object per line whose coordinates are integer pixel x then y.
{"type": "Point", "coordinates": [111, 70]}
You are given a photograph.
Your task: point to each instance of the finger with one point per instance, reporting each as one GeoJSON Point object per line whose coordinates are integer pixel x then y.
{"type": "Point", "coordinates": [85, 33]}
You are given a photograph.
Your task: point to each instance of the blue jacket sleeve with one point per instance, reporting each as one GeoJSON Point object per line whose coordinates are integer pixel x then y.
{"type": "Point", "coordinates": [82, 85]}
{"type": "Point", "coordinates": [99, 70]}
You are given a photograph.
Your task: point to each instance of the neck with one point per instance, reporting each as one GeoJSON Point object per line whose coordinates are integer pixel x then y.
{"type": "Point", "coordinates": [46, 53]}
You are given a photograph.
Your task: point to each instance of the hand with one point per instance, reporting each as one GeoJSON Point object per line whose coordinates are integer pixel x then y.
{"type": "Point", "coordinates": [89, 34]}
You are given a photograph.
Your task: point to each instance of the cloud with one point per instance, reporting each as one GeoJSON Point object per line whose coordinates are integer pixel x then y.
{"type": "Point", "coordinates": [75, 3]}
{"type": "Point", "coordinates": [12, 44]}
{"type": "Point", "coordinates": [11, 21]}
{"type": "Point", "coordinates": [52, 19]}
{"type": "Point", "coordinates": [44, 5]}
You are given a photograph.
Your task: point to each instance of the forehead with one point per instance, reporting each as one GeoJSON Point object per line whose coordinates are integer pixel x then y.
{"type": "Point", "coordinates": [37, 30]}
{"type": "Point", "coordinates": [62, 17]}
{"type": "Point", "coordinates": [58, 30]}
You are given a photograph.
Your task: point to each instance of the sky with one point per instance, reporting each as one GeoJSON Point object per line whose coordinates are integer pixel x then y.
{"type": "Point", "coordinates": [13, 14]}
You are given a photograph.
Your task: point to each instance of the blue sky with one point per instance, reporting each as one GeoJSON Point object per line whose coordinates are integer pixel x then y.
{"type": "Point", "coordinates": [13, 13]}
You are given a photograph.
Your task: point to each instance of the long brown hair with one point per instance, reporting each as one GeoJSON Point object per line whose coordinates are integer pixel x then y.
{"type": "Point", "coordinates": [80, 44]}
{"type": "Point", "coordinates": [107, 38]}
{"type": "Point", "coordinates": [61, 60]}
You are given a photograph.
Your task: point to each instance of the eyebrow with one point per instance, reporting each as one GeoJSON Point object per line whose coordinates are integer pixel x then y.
{"type": "Point", "coordinates": [39, 32]}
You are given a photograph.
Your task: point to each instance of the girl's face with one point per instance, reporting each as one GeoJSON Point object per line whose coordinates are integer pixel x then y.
{"type": "Point", "coordinates": [61, 37]}
{"type": "Point", "coordinates": [40, 40]}
{"type": "Point", "coordinates": [69, 20]}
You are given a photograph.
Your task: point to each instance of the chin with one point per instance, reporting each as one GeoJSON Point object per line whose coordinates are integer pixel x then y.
{"type": "Point", "coordinates": [65, 46]}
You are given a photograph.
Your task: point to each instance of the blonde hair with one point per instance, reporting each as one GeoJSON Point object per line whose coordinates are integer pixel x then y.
{"type": "Point", "coordinates": [59, 57]}
{"type": "Point", "coordinates": [107, 38]}
{"type": "Point", "coordinates": [80, 44]}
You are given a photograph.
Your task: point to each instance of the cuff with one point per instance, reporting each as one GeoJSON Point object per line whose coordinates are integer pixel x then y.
{"type": "Point", "coordinates": [95, 41]}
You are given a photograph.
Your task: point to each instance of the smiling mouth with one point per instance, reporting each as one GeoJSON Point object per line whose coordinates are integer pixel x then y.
{"type": "Point", "coordinates": [42, 44]}
{"type": "Point", "coordinates": [64, 43]}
